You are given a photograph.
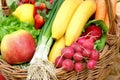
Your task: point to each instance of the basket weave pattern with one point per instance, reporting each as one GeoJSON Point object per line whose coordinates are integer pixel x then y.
{"type": "Point", "coordinates": [102, 70]}
{"type": "Point", "coordinates": [5, 9]}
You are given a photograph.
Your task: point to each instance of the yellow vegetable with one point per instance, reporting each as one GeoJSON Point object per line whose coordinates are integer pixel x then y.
{"type": "Point", "coordinates": [63, 17]}
{"type": "Point", "coordinates": [24, 13]}
{"type": "Point", "coordinates": [78, 21]}
{"type": "Point", "coordinates": [56, 49]}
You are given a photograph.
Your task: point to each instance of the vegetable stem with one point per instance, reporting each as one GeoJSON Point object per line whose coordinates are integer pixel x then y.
{"type": "Point", "coordinates": [40, 68]}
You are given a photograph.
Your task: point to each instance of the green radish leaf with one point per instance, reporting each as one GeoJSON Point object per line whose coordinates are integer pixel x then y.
{"type": "Point", "coordinates": [99, 44]}
{"type": "Point", "coordinates": [100, 23]}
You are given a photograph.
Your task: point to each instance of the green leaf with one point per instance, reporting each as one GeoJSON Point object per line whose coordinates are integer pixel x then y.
{"type": "Point", "coordinates": [99, 44]}
{"type": "Point", "coordinates": [22, 66]}
{"type": "Point", "coordinates": [44, 14]}
{"type": "Point", "coordinates": [13, 4]}
{"type": "Point", "coordinates": [0, 56]}
{"type": "Point", "coordinates": [47, 3]}
{"type": "Point", "coordinates": [99, 23]}
{"type": "Point", "coordinates": [10, 24]}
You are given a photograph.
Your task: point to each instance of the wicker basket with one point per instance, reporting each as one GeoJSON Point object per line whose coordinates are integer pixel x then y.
{"type": "Point", "coordinates": [5, 9]}
{"type": "Point", "coordinates": [104, 65]}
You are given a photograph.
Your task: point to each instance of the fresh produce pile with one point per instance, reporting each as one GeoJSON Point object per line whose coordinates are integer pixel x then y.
{"type": "Point", "coordinates": [50, 34]}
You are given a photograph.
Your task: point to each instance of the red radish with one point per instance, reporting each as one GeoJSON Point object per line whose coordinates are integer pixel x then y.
{"type": "Point", "coordinates": [81, 40]}
{"type": "Point", "coordinates": [91, 64]}
{"type": "Point", "coordinates": [67, 52]}
{"type": "Point", "coordinates": [88, 44]}
{"type": "Point", "coordinates": [94, 55]}
{"type": "Point", "coordinates": [77, 56]}
{"type": "Point", "coordinates": [77, 47]}
{"type": "Point", "coordinates": [94, 31]}
{"type": "Point", "coordinates": [39, 21]}
{"type": "Point", "coordinates": [78, 67]}
{"type": "Point", "coordinates": [86, 53]}
{"type": "Point", "coordinates": [73, 44]}
{"type": "Point", "coordinates": [68, 65]}
{"type": "Point", "coordinates": [58, 61]}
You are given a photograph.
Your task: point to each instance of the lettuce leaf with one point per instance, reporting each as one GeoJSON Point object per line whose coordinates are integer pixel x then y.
{"type": "Point", "coordinates": [10, 24]}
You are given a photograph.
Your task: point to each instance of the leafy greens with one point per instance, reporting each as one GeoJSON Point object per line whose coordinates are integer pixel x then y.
{"type": "Point", "coordinates": [10, 24]}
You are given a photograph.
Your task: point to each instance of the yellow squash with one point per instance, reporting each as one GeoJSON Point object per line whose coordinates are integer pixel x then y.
{"type": "Point", "coordinates": [63, 17]}
{"type": "Point", "coordinates": [56, 49]}
{"type": "Point", "coordinates": [78, 21]}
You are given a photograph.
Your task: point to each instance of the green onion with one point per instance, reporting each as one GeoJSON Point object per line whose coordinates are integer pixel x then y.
{"type": "Point", "coordinates": [40, 68]}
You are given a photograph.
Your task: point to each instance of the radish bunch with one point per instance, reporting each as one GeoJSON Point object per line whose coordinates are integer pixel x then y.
{"type": "Point", "coordinates": [79, 55]}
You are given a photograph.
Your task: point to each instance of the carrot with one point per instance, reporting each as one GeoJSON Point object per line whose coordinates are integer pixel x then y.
{"type": "Point", "coordinates": [114, 4]}
{"type": "Point", "coordinates": [100, 9]}
{"type": "Point", "coordinates": [107, 20]}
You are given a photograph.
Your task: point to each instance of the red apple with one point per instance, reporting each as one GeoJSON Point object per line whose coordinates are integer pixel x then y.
{"type": "Point", "coordinates": [18, 47]}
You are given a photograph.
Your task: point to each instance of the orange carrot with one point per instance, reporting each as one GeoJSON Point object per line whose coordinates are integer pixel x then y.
{"type": "Point", "coordinates": [100, 9]}
{"type": "Point", "coordinates": [107, 20]}
{"type": "Point", "coordinates": [113, 3]}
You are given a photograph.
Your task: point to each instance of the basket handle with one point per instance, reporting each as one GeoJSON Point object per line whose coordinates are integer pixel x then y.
{"type": "Point", "coordinates": [5, 9]}
{"type": "Point", "coordinates": [112, 25]}
{"type": "Point", "coordinates": [4, 3]}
